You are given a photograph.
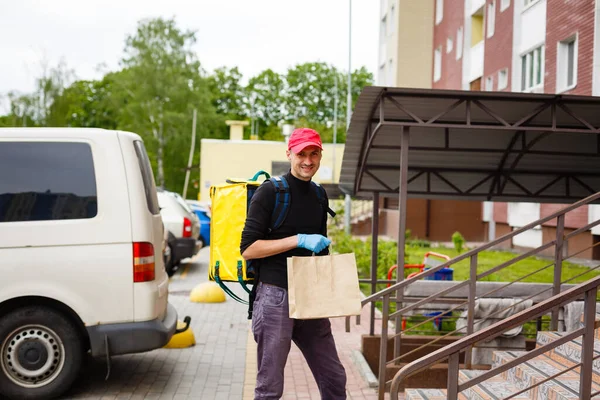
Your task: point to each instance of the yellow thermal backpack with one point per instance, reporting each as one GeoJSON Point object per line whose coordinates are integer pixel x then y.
{"type": "Point", "coordinates": [230, 203]}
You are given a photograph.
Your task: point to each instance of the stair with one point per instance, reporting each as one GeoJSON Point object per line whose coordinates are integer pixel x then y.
{"type": "Point", "coordinates": [563, 387]}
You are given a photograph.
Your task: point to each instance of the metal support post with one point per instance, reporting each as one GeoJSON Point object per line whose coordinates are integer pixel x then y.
{"type": "Point", "coordinates": [401, 232]}
{"type": "Point", "coordinates": [558, 258]}
{"type": "Point", "coordinates": [453, 367]}
{"type": "Point", "coordinates": [374, 251]}
{"type": "Point", "coordinates": [587, 342]}
{"type": "Point", "coordinates": [471, 307]}
{"type": "Point", "coordinates": [383, 346]}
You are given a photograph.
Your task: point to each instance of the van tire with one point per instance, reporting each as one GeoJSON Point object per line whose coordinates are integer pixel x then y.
{"type": "Point", "coordinates": [171, 267]}
{"type": "Point", "coordinates": [37, 331]}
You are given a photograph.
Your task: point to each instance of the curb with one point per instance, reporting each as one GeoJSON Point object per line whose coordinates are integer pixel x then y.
{"type": "Point", "coordinates": [365, 370]}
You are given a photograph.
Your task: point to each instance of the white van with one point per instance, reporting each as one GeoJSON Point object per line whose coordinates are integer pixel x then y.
{"type": "Point", "coordinates": [80, 255]}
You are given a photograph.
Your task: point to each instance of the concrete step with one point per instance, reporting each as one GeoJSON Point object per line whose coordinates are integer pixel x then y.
{"type": "Point", "coordinates": [493, 389]}
{"type": "Point", "coordinates": [568, 354]}
{"type": "Point", "coordinates": [538, 369]}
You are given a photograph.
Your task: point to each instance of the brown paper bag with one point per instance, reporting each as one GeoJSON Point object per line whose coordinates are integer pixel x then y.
{"type": "Point", "coordinates": [323, 286]}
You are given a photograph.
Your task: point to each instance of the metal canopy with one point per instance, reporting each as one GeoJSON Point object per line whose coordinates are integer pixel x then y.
{"type": "Point", "coordinates": [473, 145]}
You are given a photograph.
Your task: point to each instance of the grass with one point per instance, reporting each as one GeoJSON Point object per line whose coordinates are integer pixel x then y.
{"type": "Point", "coordinates": [571, 272]}
{"type": "Point", "coordinates": [489, 259]}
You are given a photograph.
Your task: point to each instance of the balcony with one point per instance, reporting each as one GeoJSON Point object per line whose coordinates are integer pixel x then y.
{"type": "Point", "coordinates": [476, 62]}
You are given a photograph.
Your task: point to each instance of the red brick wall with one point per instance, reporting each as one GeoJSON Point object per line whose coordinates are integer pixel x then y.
{"type": "Point", "coordinates": [501, 212]}
{"type": "Point", "coordinates": [564, 18]}
{"type": "Point", "coordinates": [451, 67]}
{"type": "Point", "coordinates": [498, 48]}
{"type": "Point", "coordinates": [575, 219]}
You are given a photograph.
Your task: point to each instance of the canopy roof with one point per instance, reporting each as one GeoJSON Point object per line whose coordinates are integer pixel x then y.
{"type": "Point", "coordinates": [474, 145]}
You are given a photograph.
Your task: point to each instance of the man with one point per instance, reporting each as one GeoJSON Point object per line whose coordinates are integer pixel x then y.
{"type": "Point", "coordinates": [302, 233]}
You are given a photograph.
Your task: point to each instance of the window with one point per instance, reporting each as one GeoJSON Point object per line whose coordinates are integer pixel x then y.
{"type": "Point", "coordinates": [449, 45]}
{"type": "Point", "coordinates": [459, 43]}
{"type": "Point", "coordinates": [437, 64]}
{"type": "Point", "coordinates": [147, 177]}
{"type": "Point", "coordinates": [491, 18]}
{"type": "Point", "coordinates": [392, 22]}
{"type": "Point", "coordinates": [504, 4]}
{"type": "Point", "coordinates": [566, 76]}
{"type": "Point", "coordinates": [532, 67]}
{"type": "Point", "coordinates": [390, 78]}
{"type": "Point", "coordinates": [503, 79]}
{"type": "Point", "coordinates": [42, 181]}
{"type": "Point", "coordinates": [439, 11]}
{"type": "Point", "coordinates": [489, 83]}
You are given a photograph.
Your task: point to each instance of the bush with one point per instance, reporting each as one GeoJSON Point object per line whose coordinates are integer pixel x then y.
{"type": "Point", "coordinates": [419, 243]}
{"type": "Point", "coordinates": [459, 241]}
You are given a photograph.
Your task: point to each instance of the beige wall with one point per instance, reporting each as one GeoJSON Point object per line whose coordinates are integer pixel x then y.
{"type": "Point", "coordinates": [414, 57]}
{"type": "Point", "coordinates": [222, 159]}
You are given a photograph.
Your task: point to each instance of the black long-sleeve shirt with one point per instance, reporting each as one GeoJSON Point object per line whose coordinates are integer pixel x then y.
{"type": "Point", "coordinates": [306, 215]}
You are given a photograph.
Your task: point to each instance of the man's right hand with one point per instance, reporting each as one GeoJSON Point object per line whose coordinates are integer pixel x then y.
{"type": "Point", "coordinates": [315, 242]}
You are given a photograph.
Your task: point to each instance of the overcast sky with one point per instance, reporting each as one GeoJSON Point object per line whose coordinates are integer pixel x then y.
{"type": "Point", "coordinates": [251, 34]}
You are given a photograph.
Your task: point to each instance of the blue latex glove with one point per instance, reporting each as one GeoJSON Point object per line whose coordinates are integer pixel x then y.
{"type": "Point", "coordinates": [315, 243]}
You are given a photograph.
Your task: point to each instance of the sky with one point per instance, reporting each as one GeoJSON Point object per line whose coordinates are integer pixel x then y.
{"type": "Point", "coordinates": [89, 36]}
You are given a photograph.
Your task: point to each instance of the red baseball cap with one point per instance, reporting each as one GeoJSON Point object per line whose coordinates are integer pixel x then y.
{"type": "Point", "coordinates": [301, 138]}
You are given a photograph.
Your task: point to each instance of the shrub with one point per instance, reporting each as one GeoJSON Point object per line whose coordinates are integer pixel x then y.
{"type": "Point", "coordinates": [459, 241]}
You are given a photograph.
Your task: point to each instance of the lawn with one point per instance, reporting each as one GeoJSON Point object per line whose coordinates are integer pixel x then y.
{"type": "Point", "coordinates": [387, 254]}
{"type": "Point", "coordinates": [489, 259]}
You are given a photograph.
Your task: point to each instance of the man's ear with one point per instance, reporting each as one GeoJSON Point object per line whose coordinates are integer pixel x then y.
{"type": "Point", "coordinates": [288, 153]}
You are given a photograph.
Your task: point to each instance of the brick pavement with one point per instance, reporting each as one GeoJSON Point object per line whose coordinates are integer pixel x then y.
{"type": "Point", "coordinates": [222, 365]}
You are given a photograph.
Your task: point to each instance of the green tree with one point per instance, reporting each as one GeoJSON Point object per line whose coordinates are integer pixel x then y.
{"type": "Point", "coordinates": [312, 93]}
{"type": "Point", "coordinates": [227, 92]}
{"type": "Point", "coordinates": [165, 83]}
{"type": "Point", "coordinates": [265, 97]}
{"type": "Point", "coordinates": [90, 104]}
{"type": "Point", "coordinates": [34, 109]}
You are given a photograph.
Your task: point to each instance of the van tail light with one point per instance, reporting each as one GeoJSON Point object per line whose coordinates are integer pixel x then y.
{"type": "Point", "coordinates": [187, 228]}
{"type": "Point", "coordinates": [143, 262]}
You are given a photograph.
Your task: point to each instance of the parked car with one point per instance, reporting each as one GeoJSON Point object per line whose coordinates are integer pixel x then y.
{"type": "Point", "coordinates": [202, 211]}
{"type": "Point", "coordinates": [183, 226]}
{"type": "Point", "coordinates": [80, 256]}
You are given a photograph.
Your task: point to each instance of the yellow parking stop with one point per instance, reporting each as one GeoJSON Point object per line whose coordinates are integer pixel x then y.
{"type": "Point", "coordinates": [207, 292]}
{"type": "Point", "coordinates": [182, 339]}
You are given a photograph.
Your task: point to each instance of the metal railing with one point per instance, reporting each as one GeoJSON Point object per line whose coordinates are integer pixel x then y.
{"type": "Point", "coordinates": [451, 352]}
{"type": "Point", "coordinates": [406, 304]}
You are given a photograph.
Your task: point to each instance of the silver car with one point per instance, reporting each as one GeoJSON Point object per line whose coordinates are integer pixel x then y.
{"type": "Point", "coordinates": [183, 226]}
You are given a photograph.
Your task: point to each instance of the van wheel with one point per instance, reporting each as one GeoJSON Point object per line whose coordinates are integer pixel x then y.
{"type": "Point", "coordinates": [41, 353]}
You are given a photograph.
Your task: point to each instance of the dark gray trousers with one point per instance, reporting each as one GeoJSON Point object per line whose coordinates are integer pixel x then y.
{"type": "Point", "coordinates": [274, 331]}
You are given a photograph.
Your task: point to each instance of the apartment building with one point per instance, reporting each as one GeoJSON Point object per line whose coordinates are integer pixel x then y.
{"type": "Point", "coordinates": [538, 46]}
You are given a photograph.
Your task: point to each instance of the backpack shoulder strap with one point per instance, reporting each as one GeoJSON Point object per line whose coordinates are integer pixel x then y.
{"type": "Point", "coordinates": [323, 198]}
{"type": "Point", "coordinates": [282, 201]}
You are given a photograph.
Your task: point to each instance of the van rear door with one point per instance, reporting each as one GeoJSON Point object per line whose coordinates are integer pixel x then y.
{"type": "Point", "coordinates": [150, 290]}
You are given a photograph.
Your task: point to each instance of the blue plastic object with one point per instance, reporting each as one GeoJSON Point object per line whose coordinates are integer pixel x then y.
{"type": "Point", "coordinates": [437, 323]}
{"type": "Point", "coordinates": [204, 218]}
{"type": "Point", "coordinates": [444, 274]}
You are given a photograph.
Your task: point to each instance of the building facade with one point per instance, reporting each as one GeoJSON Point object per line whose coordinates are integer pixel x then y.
{"type": "Point", "coordinates": [536, 46]}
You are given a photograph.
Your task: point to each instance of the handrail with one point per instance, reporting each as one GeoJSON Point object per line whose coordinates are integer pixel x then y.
{"type": "Point", "coordinates": [452, 350]}
{"type": "Point", "coordinates": [563, 211]}
{"type": "Point", "coordinates": [387, 294]}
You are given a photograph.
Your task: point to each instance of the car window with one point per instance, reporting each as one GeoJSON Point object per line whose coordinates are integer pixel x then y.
{"type": "Point", "coordinates": [147, 177]}
{"type": "Point", "coordinates": [41, 181]}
